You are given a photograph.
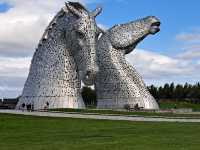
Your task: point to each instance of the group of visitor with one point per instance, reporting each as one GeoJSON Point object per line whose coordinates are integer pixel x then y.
{"type": "Point", "coordinates": [30, 106]}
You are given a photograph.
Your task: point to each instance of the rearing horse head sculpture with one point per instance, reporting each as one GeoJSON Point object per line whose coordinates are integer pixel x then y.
{"type": "Point", "coordinates": [84, 34]}
{"type": "Point", "coordinates": [66, 54]}
{"type": "Point", "coordinates": [127, 36]}
{"type": "Point", "coordinates": [117, 83]}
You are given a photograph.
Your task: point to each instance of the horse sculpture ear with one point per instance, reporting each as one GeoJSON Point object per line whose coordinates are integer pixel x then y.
{"type": "Point", "coordinates": [96, 12]}
{"type": "Point", "coordinates": [76, 8]}
{"type": "Point", "coordinates": [99, 30]}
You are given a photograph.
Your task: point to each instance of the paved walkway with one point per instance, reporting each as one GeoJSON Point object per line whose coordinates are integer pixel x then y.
{"type": "Point", "coordinates": [101, 117]}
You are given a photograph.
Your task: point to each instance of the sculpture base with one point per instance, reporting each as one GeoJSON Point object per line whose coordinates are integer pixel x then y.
{"type": "Point", "coordinates": [54, 102]}
{"type": "Point", "coordinates": [143, 103]}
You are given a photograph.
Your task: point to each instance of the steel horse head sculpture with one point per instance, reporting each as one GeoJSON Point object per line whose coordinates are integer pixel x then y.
{"type": "Point", "coordinates": [118, 83]}
{"type": "Point", "coordinates": [65, 55]}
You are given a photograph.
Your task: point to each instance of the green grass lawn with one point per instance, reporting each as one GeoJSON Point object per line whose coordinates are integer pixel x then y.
{"type": "Point", "coordinates": [19, 132]}
{"type": "Point", "coordinates": [163, 106]}
{"type": "Point", "coordinates": [115, 112]}
{"type": "Point", "coordinates": [169, 105]}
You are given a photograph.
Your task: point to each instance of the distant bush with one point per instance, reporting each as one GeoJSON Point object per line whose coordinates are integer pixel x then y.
{"type": "Point", "coordinates": [127, 107]}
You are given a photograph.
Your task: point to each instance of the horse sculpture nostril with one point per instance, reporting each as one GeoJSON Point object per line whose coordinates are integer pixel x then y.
{"type": "Point", "coordinates": [89, 78]}
{"type": "Point", "coordinates": [156, 24]}
{"type": "Point", "coordinates": [88, 74]}
{"type": "Point", "coordinates": [154, 28]}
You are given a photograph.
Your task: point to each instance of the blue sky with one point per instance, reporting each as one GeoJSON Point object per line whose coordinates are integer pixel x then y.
{"type": "Point", "coordinates": [4, 7]}
{"type": "Point", "coordinates": [176, 16]}
{"type": "Point", "coordinates": [172, 55]}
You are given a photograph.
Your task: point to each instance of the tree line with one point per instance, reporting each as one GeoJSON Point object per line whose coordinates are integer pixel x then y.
{"type": "Point", "coordinates": [167, 92]}
{"type": "Point", "coordinates": [186, 92]}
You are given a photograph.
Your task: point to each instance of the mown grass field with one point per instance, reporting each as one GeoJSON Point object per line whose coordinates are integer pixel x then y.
{"type": "Point", "coordinates": [162, 105]}
{"type": "Point", "coordinates": [18, 132]}
{"type": "Point", "coordinates": [169, 105]}
{"type": "Point", "coordinates": [129, 113]}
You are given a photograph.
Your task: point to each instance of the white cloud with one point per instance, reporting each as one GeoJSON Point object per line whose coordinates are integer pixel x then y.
{"type": "Point", "coordinates": [188, 37]}
{"type": "Point", "coordinates": [23, 24]}
{"type": "Point", "coordinates": [13, 73]}
{"type": "Point", "coordinates": [155, 67]}
{"type": "Point", "coordinates": [190, 42]}
{"type": "Point", "coordinates": [11, 86]}
{"type": "Point", "coordinates": [190, 52]}
{"type": "Point", "coordinates": [21, 28]}
{"type": "Point", "coordinates": [14, 67]}
{"type": "Point", "coordinates": [10, 92]}
{"type": "Point", "coordinates": [102, 26]}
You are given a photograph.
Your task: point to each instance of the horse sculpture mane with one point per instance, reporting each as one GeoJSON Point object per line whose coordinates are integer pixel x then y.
{"type": "Point", "coordinates": [51, 24]}
{"type": "Point", "coordinates": [62, 60]}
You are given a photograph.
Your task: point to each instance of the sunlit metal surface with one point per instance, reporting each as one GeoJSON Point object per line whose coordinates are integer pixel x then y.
{"type": "Point", "coordinates": [66, 54]}
{"type": "Point", "coordinates": [118, 83]}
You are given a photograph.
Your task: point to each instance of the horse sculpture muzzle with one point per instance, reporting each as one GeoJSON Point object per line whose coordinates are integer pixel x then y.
{"type": "Point", "coordinates": [154, 24]}
{"type": "Point", "coordinates": [90, 76]}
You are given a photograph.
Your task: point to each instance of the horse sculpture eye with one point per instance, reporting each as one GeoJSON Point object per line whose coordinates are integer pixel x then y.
{"type": "Point", "coordinates": [80, 34]}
